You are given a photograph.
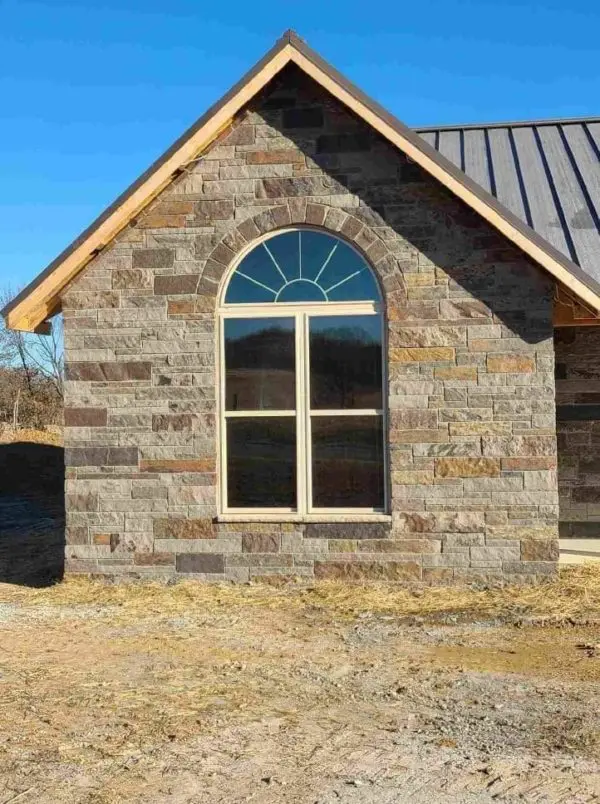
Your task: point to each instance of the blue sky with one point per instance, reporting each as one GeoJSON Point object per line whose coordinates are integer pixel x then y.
{"type": "Point", "coordinates": [93, 91]}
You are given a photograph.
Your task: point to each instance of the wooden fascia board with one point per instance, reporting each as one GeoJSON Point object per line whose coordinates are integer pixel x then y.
{"type": "Point", "coordinates": [41, 298]}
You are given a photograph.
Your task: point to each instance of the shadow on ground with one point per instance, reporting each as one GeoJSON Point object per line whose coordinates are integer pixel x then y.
{"type": "Point", "coordinates": [32, 513]}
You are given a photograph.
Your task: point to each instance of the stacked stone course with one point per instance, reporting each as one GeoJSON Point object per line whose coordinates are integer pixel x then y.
{"type": "Point", "coordinates": [470, 365]}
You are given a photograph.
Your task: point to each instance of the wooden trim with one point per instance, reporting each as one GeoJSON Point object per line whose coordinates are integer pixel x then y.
{"type": "Point", "coordinates": [568, 312]}
{"type": "Point", "coordinates": [41, 298]}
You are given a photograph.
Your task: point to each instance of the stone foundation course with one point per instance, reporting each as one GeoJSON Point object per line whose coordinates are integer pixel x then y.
{"type": "Point", "coordinates": [470, 368]}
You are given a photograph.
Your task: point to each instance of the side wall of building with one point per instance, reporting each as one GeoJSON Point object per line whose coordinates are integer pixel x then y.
{"type": "Point", "coordinates": [578, 430]}
{"type": "Point", "coordinates": [470, 361]}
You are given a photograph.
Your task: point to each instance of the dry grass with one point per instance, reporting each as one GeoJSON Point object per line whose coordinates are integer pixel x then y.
{"type": "Point", "coordinates": [52, 436]}
{"type": "Point", "coordinates": [573, 594]}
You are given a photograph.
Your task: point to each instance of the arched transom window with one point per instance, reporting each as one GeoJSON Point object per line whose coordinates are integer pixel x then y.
{"type": "Point", "coordinates": [302, 407]}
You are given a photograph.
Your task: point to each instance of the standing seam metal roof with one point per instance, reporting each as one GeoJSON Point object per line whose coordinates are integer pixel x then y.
{"type": "Point", "coordinates": [546, 172]}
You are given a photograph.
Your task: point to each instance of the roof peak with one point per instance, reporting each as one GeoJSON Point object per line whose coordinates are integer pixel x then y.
{"type": "Point", "coordinates": [510, 124]}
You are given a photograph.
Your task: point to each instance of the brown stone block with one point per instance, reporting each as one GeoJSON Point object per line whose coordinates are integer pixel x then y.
{"type": "Point", "coordinates": [76, 535]}
{"type": "Point", "coordinates": [242, 135]}
{"type": "Point", "coordinates": [539, 550]}
{"type": "Point", "coordinates": [165, 465]}
{"type": "Point", "coordinates": [260, 543]}
{"type": "Point", "coordinates": [108, 372]}
{"type": "Point", "coordinates": [173, 423]}
{"type": "Point", "coordinates": [480, 428]}
{"type": "Point", "coordinates": [104, 539]}
{"type": "Point", "coordinates": [184, 529]}
{"type": "Point", "coordinates": [425, 355]}
{"type": "Point", "coordinates": [81, 502]}
{"type": "Point", "coordinates": [208, 211]}
{"type": "Point", "coordinates": [156, 220]}
{"type": "Point", "coordinates": [413, 419]}
{"type": "Point", "coordinates": [153, 559]}
{"type": "Point", "coordinates": [200, 562]}
{"type": "Point", "coordinates": [510, 364]}
{"type": "Point", "coordinates": [413, 311]}
{"type": "Point", "coordinates": [362, 570]}
{"type": "Point", "coordinates": [525, 464]}
{"type": "Point", "coordinates": [173, 285]}
{"type": "Point", "coordinates": [153, 259]}
{"type": "Point", "coordinates": [456, 373]}
{"type": "Point", "coordinates": [467, 467]}
{"type": "Point", "coordinates": [282, 157]}
{"type": "Point", "coordinates": [315, 214]}
{"type": "Point", "coordinates": [85, 417]}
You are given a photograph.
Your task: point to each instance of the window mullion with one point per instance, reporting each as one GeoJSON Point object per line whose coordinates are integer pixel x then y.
{"type": "Point", "coordinates": [306, 414]}
{"type": "Point", "coordinates": [300, 416]}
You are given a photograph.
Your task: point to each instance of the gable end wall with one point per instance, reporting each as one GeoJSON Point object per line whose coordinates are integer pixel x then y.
{"type": "Point", "coordinates": [472, 447]}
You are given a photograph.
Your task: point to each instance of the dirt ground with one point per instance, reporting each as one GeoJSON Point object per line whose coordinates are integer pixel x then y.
{"type": "Point", "coordinates": [196, 693]}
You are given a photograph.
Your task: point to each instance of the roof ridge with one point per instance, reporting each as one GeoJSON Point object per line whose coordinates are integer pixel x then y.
{"type": "Point", "coordinates": [509, 124]}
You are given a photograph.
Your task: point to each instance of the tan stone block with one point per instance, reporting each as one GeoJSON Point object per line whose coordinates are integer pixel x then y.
{"type": "Point", "coordinates": [480, 428]}
{"type": "Point", "coordinates": [418, 436]}
{"type": "Point", "coordinates": [413, 419]}
{"type": "Point", "coordinates": [400, 546]}
{"type": "Point", "coordinates": [426, 336]}
{"type": "Point", "coordinates": [412, 478]}
{"type": "Point", "coordinates": [281, 157]}
{"type": "Point", "coordinates": [419, 280]}
{"type": "Point", "coordinates": [202, 465]}
{"type": "Point", "coordinates": [456, 373]}
{"type": "Point", "coordinates": [344, 545]}
{"type": "Point", "coordinates": [440, 522]}
{"type": "Point", "coordinates": [539, 550]}
{"type": "Point", "coordinates": [360, 571]}
{"type": "Point", "coordinates": [517, 446]}
{"type": "Point", "coordinates": [184, 529]}
{"type": "Point", "coordinates": [425, 355]}
{"type": "Point", "coordinates": [525, 464]}
{"type": "Point", "coordinates": [467, 467]}
{"type": "Point", "coordinates": [510, 364]}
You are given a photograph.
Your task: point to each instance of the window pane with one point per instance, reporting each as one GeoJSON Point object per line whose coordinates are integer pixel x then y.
{"type": "Point", "coordinates": [347, 462]}
{"type": "Point", "coordinates": [261, 462]}
{"type": "Point", "coordinates": [347, 277]}
{"type": "Point", "coordinates": [345, 362]}
{"type": "Point", "coordinates": [260, 364]}
{"type": "Point", "coordinates": [302, 265]}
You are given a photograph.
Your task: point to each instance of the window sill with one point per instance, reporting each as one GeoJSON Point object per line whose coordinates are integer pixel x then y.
{"type": "Point", "coordinates": [305, 518]}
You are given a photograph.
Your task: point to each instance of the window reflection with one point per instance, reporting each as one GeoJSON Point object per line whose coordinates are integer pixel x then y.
{"type": "Point", "coordinates": [261, 462]}
{"type": "Point", "coordinates": [345, 362]}
{"type": "Point", "coordinates": [347, 462]}
{"type": "Point", "coordinates": [260, 364]}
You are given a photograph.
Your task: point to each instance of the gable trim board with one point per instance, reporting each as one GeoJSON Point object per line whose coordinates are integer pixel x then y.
{"type": "Point", "coordinates": [41, 299]}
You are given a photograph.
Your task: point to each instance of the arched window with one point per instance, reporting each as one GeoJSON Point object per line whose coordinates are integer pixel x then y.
{"type": "Point", "coordinates": [302, 379]}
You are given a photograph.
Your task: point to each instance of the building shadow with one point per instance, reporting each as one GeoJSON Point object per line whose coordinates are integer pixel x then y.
{"type": "Point", "coordinates": [32, 513]}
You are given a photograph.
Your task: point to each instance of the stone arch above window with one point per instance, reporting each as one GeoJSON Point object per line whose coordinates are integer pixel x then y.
{"type": "Point", "coordinates": [358, 229]}
{"type": "Point", "coordinates": [301, 265]}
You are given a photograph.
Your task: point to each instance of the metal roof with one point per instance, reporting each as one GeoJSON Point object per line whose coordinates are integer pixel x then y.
{"type": "Point", "coordinates": [546, 172]}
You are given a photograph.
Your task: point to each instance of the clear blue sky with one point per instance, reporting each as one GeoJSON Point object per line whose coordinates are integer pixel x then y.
{"type": "Point", "coordinates": [92, 91]}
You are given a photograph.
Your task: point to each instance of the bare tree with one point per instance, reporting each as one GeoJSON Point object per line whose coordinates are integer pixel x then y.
{"type": "Point", "coordinates": [32, 370]}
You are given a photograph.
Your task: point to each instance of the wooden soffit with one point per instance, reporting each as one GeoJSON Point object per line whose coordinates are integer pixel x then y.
{"type": "Point", "coordinates": [41, 299]}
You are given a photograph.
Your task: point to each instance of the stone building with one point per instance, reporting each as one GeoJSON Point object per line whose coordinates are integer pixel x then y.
{"type": "Point", "coordinates": [309, 341]}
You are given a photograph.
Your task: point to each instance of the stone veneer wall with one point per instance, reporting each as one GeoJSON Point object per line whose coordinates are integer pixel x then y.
{"type": "Point", "coordinates": [472, 442]}
{"type": "Point", "coordinates": [578, 427]}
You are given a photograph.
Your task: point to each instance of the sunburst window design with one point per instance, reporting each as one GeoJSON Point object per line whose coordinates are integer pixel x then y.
{"type": "Point", "coordinates": [302, 266]}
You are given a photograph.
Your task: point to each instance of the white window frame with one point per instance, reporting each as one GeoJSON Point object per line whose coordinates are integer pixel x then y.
{"type": "Point", "coordinates": [301, 312]}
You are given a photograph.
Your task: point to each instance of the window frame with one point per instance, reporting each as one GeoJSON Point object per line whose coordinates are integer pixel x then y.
{"type": "Point", "coordinates": [301, 312]}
